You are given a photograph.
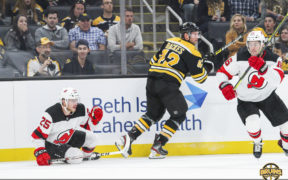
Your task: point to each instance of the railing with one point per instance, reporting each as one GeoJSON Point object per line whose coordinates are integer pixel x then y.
{"type": "Point", "coordinates": [153, 12]}
{"type": "Point", "coordinates": [170, 34]}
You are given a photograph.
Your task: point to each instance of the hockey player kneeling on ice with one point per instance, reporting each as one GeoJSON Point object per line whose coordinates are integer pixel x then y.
{"type": "Point", "coordinates": [64, 129]}
{"type": "Point", "coordinates": [257, 90]}
{"type": "Point", "coordinates": [169, 67]}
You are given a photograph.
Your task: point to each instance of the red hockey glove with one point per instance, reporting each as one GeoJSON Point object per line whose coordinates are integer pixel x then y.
{"type": "Point", "coordinates": [227, 90]}
{"type": "Point", "coordinates": [259, 64]}
{"type": "Point", "coordinates": [96, 115]}
{"type": "Point", "coordinates": [42, 157]}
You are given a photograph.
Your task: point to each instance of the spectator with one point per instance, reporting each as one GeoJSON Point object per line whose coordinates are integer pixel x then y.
{"type": "Point", "coordinates": [269, 27]}
{"type": "Point", "coordinates": [42, 64]}
{"type": "Point", "coordinates": [212, 10]}
{"type": "Point", "coordinates": [93, 35]}
{"type": "Point", "coordinates": [76, 10]}
{"type": "Point", "coordinates": [57, 34]}
{"type": "Point", "coordinates": [274, 7]}
{"type": "Point", "coordinates": [249, 9]}
{"type": "Point", "coordinates": [71, 2]}
{"type": "Point", "coordinates": [284, 36]}
{"type": "Point", "coordinates": [19, 36]}
{"type": "Point", "coordinates": [31, 9]}
{"type": "Point", "coordinates": [1, 42]}
{"type": "Point", "coordinates": [79, 65]}
{"type": "Point", "coordinates": [107, 19]}
{"type": "Point", "coordinates": [190, 10]}
{"type": "Point", "coordinates": [133, 34]}
{"type": "Point", "coordinates": [281, 51]}
{"type": "Point", "coordinates": [2, 11]}
{"type": "Point", "coordinates": [237, 27]}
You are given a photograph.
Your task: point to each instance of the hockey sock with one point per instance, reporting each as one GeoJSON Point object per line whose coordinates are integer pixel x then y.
{"type": "Point", "coordinates": [169, 129]}
{"type": "Point", "coordinates": [141, 126]}
{"type": "Point", "coordinates": [253, 127]}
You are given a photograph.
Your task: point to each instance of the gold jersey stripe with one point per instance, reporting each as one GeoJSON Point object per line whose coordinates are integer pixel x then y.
{"type": "Point", "coordinates": [169, 129]}
{"type": "Point", "coordinates": [202, 80]}
{"type": "Point", "coordinates": [199, 75]}
{"type": "Point", "coordinates": [166, 72]}
{"type": "Point", "coordinates": [168, 67]}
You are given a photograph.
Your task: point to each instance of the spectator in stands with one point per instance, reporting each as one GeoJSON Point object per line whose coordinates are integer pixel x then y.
{"type": "Point", "coordinates": [42, 64]}
{"type": "Point", "coordinates": [19, 37]}
{"type": "Point", "coordinates": [284, 36]}
{"type": "Point", "coordinates": [2, 11]}
{"type": "Point", "coordinates": [76, 10]}
{"type": "Point", "coordinates": [31, 9]}
{"type": "Point", "coordinates": [282, 51]}
{"type": "Point", "coordinates": [57, 34]}
{"type": "Point", "coordinates": [71, 2]}
{"type": "Point", "coordinates": [274, 7]}
{"type": "Point", "coordinates": [107, 19]}
{"type": "Point", "coordinates": [1, 43]}
{"type": "Point", "coordinates": [212, 10]}
{"type": "Point", "coordinates": [190, 10]}
{"type": "Point", "coordinates": [249, 9]}
{"type": "Point", "coordinates": [133, 34]}
{"type": "Point", "coordinates": [79, 65]}
{"type": "Point", "coordinates": [93, 35]}
{"type": "Point", "coordinates": [237, 27]}
{"type": "Point", "coordinates": [269, 27]}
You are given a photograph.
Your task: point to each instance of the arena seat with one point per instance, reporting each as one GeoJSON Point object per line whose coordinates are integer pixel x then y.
{"type": "Point", "coordinates": [61, 56]}
{"type": "Point", "coordinates": [8, 72]}
{"type": "Point", "coordinates": [18, 60]}
{"type": "Point", "coordinates": [99, 57]}
{"type": "Point", "coordinates": [107, 69]}
{"type": "Point", "coordinates": [94, 11]}
{"type": "Point", "coordinates": [3, 31]}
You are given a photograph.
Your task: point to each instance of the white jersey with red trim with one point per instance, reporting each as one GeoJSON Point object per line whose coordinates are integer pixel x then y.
{"type": "Point", "coordinates": [254, 87]}
{"type": "Point", "coordinates": [57, 128]}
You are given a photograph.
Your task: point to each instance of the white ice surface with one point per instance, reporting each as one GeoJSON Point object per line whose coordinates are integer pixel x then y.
{"type": "Point", "coordinates": [240, 166]}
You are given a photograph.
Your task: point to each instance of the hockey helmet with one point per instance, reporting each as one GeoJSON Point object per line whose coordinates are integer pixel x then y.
{"type": "Point", "coordinates": [69, 93]}
{"type": "Point", "coordinates": [188, 27]}
{"type": "Point", "coordinates": [255, 36]}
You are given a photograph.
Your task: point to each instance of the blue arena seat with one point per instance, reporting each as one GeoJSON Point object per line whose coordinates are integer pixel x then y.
{"type": "Point", "coordinates": [3, 31]}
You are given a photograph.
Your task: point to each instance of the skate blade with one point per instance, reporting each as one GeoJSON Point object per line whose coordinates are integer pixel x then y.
{"type": "Point", "coordinates": [120, 147]}
{"type": "Point", "coordinates": [154, 155]}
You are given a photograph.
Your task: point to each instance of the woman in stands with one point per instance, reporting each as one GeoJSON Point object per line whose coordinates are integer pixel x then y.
{"type": "Point", "coordinates": [284, 36]}
{"type": "Point", "coordinates": [19, 37]}
{"type": "Point", "coordinates": [237, 27]}
{"type": "Point", "coordinates": [31, 9]}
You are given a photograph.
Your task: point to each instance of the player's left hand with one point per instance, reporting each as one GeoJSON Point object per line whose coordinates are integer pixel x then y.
{"type": "Point", "coordinates": [258, 63]}
{"type": "Point", "coordinates": [96, 115]}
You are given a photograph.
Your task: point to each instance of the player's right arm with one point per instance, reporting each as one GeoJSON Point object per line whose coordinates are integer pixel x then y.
{"type": "Point", "coordinates": [39, 136]}
{"type": "Point", "coordinates": [224, 74]}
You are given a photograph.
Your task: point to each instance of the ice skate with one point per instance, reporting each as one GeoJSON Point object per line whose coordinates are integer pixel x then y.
{"type": "Point", "coordinates": [257, 149]}
{"type": "Point", "coordinates": [122, 143]}
{"type": "Point", "coordinates": [93, 156]}
{"type": "Point", "coordinates": [280, 144]}
{"type": "Point", "coordinates": [157, 152]}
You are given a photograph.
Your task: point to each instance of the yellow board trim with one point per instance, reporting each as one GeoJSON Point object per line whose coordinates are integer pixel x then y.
{"type": "Point", "coordinates": [169, 129]}
{"type": "Point", "coordinates": [174, 149]}
{"type": "Point", "coordinates": [144, 123]}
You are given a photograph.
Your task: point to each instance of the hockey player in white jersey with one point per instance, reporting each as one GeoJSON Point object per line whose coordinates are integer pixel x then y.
{"type": "Point", "coordinates": [257, 89]}
{"type": "Point", "coordinates": [64, 129]}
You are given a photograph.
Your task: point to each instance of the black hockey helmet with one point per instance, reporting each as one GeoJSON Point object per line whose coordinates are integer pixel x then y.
{"type": "Point", "coordinates": [188, 27]}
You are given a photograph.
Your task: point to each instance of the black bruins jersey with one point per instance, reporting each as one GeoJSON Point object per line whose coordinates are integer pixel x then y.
{"type": "Point", "coordinates": [175, 59]}
{"type": "Point", "coordinates": [105, 23]}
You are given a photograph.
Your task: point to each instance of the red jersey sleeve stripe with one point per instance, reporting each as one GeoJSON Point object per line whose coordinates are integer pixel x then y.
{"type": "Point", "coordinates": [223, 70]}
{"type": "Point", "coordinates": [37, 134]}
{"type": "Point", "coordinates": [281, 73]}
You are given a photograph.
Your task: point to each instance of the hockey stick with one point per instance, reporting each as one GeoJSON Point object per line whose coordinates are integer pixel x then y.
{"type": "Point", "coordinates": [232, 42]}
{"type": "Point", "coordinates": [266, 43]}
{"type": "Point", "coordinates": [94, 155]}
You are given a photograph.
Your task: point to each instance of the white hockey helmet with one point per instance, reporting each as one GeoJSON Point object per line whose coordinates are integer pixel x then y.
{"type": "Point", "coordinates": [255, 36]}
{"type": "Point", "coordinates": [69, 93]}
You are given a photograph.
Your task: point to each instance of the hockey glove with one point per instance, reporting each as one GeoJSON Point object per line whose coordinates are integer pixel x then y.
{"type": "Point", "coordinates": [42, 157]}
{"type": "Point", "coordinates": [259, 64]}
{"type": "Point", "coordinates": [208, 64]}
{"type": "Point", "coordinates": [96, 115]}
{"type": "Point", "coordinates": [227, 90]}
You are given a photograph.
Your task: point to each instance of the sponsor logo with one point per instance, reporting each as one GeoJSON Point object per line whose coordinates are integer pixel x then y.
{"type": "Point", "coordinates": [196, 97]}
{"type": "Point", "coordinates": [270, 171]}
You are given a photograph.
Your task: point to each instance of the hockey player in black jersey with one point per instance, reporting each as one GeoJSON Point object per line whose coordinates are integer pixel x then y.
{"type": "Point", "coordinates": [168, 68]}
{"type": "Point", "coordinates": [64, 129]}
{"type": "Point", "coordinates": [257, 90]}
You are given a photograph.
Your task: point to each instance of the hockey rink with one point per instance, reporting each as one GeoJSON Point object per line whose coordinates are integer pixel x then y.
{"type": "Point", "coordinates": [232, 166]}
